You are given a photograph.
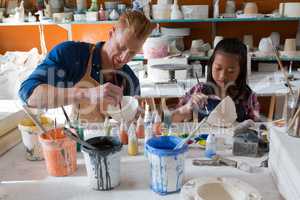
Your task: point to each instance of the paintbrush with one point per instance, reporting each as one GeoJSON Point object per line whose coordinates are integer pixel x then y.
{"type": "Point", "coordinates": [66, 116]}
{"type": "Point", "coordinates": [198, 81]}
{"type": "Point", "coordinates": [35, 121]}
{"type": "Point", "coordinates": [180, 144]}
{"type": "Point", "coordinates": [282, 68]}
{"type": "Point", "coordinates": [71, 135]}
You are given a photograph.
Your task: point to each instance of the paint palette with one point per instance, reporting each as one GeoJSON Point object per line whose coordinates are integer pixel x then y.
{"type": "Point", "coordinates": [212, 188]}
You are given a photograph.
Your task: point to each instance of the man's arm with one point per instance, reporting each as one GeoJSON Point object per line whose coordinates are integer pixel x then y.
{"type": "Point", "coordinates": [48, 96]}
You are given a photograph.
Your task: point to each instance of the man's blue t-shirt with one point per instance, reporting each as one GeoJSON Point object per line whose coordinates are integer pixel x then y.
{"type": "Point", "coordinates": [66, 64]}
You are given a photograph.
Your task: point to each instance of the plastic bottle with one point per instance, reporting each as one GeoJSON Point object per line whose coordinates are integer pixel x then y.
{"type": "Point", "coordinates": [123, 133]}
{"type": "Point", "coordinates": [133, 148]}
{"type": "Point", "coordinates": [148, 135]}
{"type": "Point", "coordinates": [211, 146]}
{"type": "Point", "coordinates": [157, 124]}
{"type": "Point", "coordinates": [140, 129]}
{"type": "Point", "coordinates": [148, 116]}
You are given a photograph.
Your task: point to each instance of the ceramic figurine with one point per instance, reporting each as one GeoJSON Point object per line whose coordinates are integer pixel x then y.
{"type": "Point", "coordinates": [114, 15]}
{"type": "Point", "coordinates": [175, 12]}
{"type": "Point", "coordinates": [56, 6]}
{"type": "Point", "coordinates": [47, 10]}
{"type": "Point", "coordinates": [102, 15]}
{"type": "Point", "coordinates": [94, 6]}
{"type": "Point", "coordinates": [20, 12]}
{"type": "Point", "coordinates": [81, 5]}
{"type": "Point", "coordinates": [216, 8]}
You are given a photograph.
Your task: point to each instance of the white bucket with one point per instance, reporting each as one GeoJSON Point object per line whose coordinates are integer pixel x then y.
{"type": "Point", "coordinates": [103, 165]}
{"type": "Point", "coordinates": [30, 137]}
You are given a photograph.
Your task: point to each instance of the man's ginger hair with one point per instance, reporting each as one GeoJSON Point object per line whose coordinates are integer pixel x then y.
{"type": "Point", "coordinates": [137, 23]}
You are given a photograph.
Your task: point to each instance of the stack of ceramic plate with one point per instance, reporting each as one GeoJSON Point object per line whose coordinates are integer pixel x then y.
{"type": "Point", "coordinates": [284, 162]}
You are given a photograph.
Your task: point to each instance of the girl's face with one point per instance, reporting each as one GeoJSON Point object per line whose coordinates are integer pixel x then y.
{"type": "Point", "coordinates": [225, 69]}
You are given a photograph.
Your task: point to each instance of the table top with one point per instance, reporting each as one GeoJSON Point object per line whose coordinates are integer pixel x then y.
{"type": "Point", "coordinates": [22, 179]}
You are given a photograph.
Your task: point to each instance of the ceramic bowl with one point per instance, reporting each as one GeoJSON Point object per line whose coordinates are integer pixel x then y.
{"type": "Point", "coordinates": [129, 109]}
{"type": "Point", "coordinates": [250, 8]}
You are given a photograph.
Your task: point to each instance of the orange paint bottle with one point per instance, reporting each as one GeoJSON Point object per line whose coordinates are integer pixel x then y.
{"type": "Point", "coordinates": [140, 129]}
{"type": "Point", "coordinates": [123, 133]}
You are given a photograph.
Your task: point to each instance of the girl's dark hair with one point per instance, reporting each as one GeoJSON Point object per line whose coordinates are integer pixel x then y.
{"type": "Point", "coordinates": [233, 46]}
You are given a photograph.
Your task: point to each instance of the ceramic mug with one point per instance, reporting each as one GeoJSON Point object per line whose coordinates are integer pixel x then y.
{"type": "Point", "coordinates": [250, 8]}
{"type": "Point", "coordinates": [290, 44]}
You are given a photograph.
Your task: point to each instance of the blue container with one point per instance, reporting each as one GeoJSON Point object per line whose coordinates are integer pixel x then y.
{"type": "Point", "coordinates": [167, 165]}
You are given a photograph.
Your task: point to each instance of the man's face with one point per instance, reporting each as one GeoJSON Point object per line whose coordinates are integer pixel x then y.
{"type": "Point", "coordinates": [124, 46]}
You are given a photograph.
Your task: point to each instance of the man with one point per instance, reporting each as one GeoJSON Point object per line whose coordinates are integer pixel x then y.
{"type": "Point", "coordinates": [89, 76]}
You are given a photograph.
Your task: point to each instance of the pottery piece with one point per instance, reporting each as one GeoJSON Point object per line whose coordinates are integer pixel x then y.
{"type": "Point", "coordinates": [94, 6]}
{"type": "Point", "coordinates": [114, 15]}
{"type": "Point", "coordinates": [248, 40]}
{"type": "Point", "coordinates": [230, 7]}
{"type": "Point", "coordinates": [81, 5]}
{"type": "Point", "coordinates": [56, 6]}
{"type": "Point", "coordinates": [290, 44]}
{"type": "Point", "coordinates": [217, 40]}
{"type": "Point", "coordinates": [175, 12]}
{"type": "Point", "coordinates": [275, 37]}
{"type": "Point", "coordinates": [250, 8]}
{"type": "Point", "coordinates": [224, 115]}
{"type": "Point", "coordinates": [265, 45]}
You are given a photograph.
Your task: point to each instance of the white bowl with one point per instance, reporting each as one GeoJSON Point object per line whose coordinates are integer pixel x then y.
{"type": "Point", "coordinates": [129, 109]}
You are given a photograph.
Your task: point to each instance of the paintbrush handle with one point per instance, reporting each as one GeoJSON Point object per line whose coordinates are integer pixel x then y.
{"type": "Point", "coordinates": [282, 68]}
{"type": "Point", "coordinates": [294, 118]}
{"type": "Point", "coordinates": [33, 118]}
{"type": "Point", "coordinates": [77, 139]}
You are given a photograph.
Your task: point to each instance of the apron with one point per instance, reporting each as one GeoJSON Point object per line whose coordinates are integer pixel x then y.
{"type": "Point", "coordinates": [85, 111]}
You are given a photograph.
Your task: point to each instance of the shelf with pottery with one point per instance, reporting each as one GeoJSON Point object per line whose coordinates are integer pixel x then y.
{"type": "Point", "coordinates": [166, 21]}
{"type": "Point", "coordinates": [253, 58]}
{"type": "Point", "coordinates": [264, 84]}
{"type": "Point", "coordinates": [252, 19]}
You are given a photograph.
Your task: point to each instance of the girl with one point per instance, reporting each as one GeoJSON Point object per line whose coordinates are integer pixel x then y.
{"type": "Point", "coordinates": [226, 76]}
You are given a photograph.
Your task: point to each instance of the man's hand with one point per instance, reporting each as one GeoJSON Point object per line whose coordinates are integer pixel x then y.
{"type": "Point", "coordinates": [106, 94]}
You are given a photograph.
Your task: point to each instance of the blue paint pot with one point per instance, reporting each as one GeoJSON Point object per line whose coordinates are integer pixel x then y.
{"type": "Point", "coordinates": [167, 165]}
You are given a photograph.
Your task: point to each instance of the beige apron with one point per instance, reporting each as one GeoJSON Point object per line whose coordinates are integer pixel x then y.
{"type": "Point", "coordinates": [85, 111]}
